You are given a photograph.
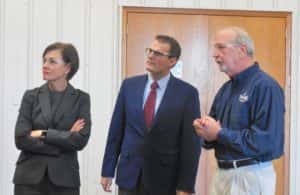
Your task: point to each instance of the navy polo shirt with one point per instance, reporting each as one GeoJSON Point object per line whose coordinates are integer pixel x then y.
{"type": "Point", "coordinates": [250, 107]}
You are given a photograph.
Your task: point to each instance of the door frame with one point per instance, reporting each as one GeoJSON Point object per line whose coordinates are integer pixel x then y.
{"type": "Point", "coordinates": [125, 10]}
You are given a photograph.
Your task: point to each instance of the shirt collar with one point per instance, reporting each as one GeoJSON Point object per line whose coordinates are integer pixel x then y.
{"type": "Point", "coordinates": [244, 75]}
{"type": "Point", "coordinates": [162, 83]}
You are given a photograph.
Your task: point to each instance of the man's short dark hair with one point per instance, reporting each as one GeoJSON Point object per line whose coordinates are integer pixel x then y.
{"type": "Point", "coordinates": [69, 55]}
{"type": "Point", "coordinates": [175, 49]}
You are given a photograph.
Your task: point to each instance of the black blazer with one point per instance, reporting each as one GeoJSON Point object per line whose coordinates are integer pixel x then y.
{"type": "Point", "coordinates": [57, 152]}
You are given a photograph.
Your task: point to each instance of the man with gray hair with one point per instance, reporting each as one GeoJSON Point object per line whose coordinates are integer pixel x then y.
{"type": "Point", "coordinates": [246, 122]}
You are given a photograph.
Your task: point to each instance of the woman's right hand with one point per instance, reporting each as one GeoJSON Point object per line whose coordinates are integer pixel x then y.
{"type": "Point", "coordinates": [78, 125]}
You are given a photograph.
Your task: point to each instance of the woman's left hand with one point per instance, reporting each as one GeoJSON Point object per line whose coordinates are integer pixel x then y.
{"type": "Point", "coordinates": [36, 133]}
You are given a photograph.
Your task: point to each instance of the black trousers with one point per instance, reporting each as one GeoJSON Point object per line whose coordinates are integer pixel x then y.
{"type": "Point", "coordinates": [45, 187]}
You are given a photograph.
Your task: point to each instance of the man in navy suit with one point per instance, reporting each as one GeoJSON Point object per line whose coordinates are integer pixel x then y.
{"type": "Point", "coordinates": [151, 138]}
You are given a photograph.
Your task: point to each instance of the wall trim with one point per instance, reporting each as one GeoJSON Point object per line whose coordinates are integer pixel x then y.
{"type": "Point", "coordinates": [250, 4]}
{"type": "Point", "coordinates": [275, 4]}
{"type": "Point", "coordinates": [117, 72]}
{"type": "Point", "coordinates": [222, 4]}
{"type": "Point", "coordinates": [196, 3]}
{"type": "Point", "coordinates": [117, 75]}
{"type": "Point", "coordinates": [30, 35]}
{"type": "Point", "coordinates": [59, 19]}
{"type": "Point", "coordinates": [295, 107]}
{"type": "Point", "coordinates": [215, 12]}
{"type": "Point", "coordinates": [87, 43]}
{"type": "Point", "coordinates": [85, 156]}
{"type": "Point", "coordinates": [2, 81]}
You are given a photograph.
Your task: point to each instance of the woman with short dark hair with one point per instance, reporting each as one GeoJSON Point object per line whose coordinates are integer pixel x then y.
{"type": "Point", "coordinates": [53, 124]}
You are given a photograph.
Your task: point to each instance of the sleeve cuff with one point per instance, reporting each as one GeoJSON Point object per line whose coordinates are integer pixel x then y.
{"type": "Point", "coordinates": [222, 136]}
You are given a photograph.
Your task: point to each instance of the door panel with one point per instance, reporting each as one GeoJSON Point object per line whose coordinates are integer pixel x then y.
{"type": "Point", "coordinates": [194, 32]}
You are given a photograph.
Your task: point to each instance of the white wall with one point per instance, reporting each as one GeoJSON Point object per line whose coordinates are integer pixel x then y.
{"type": "Point", "coordinates": [27, 26]}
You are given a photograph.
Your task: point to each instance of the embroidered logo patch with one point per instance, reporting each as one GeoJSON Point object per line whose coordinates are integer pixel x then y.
{"type": "Point", "coordinates": [243, 97]}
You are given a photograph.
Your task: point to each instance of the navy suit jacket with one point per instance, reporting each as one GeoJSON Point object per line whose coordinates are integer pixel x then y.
{"type": "Point", "coordinates": [167, 154]}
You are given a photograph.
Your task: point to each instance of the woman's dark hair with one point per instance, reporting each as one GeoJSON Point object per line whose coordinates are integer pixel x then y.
{"type": "Point", "coordinates": [69, 55]}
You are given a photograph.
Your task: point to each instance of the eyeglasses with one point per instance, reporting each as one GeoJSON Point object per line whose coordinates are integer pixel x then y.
{"type": "Point", "coordinates": [148, 51]}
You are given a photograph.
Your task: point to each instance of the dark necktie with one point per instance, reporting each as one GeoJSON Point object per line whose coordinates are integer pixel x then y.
{"type": "Point", "coordinates": [149, 107]}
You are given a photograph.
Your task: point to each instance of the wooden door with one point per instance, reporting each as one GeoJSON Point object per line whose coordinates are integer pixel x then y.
{"type": "Point", "coordinates": [194, 31]}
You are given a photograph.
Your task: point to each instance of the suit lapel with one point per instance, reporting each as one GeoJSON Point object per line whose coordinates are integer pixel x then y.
{"type": "Point", "coordinates": [139, 96]}
{"type": "Point", "coordinates": [66, 104]}
{"type": "Point", "coordinates": [45, 103]}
